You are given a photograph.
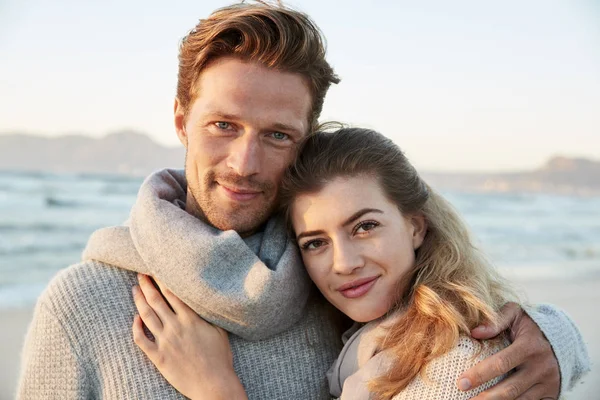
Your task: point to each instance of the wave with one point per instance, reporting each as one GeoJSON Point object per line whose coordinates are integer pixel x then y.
{"type": "Point", "coordinates": [33, 249]}
{"type": "Point", "coordinates": [110, 178]}
{"type": "Point", "coordinates": [92, 202]}
{"type": "Point", "coordinates": [56, 202]}
{"type": "Point", "coordinates": [26, 174]}
{"type": "Point", "coordinates": [45, 228]}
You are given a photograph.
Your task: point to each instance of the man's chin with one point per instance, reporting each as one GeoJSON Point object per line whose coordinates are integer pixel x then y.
{"type": "Point", "coordinates": [244, 224]}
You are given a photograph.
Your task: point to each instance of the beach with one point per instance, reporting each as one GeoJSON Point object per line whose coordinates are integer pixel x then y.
{"type": "Point", "coordinates": [578, 297]}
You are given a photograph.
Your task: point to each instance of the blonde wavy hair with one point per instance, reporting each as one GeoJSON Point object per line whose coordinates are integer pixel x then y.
{"type": "Point", "coordinates": [452, 289]}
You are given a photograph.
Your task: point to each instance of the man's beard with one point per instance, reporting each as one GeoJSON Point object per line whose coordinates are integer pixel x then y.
{"type": "Point", "coordinates": [242, 218]}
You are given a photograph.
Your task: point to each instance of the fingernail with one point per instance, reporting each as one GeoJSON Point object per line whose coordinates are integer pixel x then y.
{"type": "Point", "coordinates": [464, 384]}
{"type": "Point", "coordinates": [479, 329]}
{"type": "Point", "coordinates": [135, 289]}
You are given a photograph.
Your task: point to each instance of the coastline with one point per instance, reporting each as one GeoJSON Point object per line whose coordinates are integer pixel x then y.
{"type": "Point", "coordinates": [577, 297]}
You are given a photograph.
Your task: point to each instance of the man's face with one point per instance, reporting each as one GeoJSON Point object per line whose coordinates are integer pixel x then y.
{"type": "Point", "coordinates": [241, 134]}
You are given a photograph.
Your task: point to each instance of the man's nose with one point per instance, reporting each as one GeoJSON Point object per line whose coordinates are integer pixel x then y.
{"type": "Point", "coordinates": [347, 257]}
{"type": "Point", "coordinates": [244, 156]}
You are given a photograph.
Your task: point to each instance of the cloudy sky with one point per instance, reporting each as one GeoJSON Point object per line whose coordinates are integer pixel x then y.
{"type": "Point", "coordinates": [460, 85]}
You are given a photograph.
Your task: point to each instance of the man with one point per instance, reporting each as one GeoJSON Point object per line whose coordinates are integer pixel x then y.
{"type": "Point", "coordinates": [251, 84]}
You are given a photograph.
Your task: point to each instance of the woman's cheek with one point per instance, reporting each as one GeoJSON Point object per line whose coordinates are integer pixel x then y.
{"type": "Point", "coordinates": [317, 275]}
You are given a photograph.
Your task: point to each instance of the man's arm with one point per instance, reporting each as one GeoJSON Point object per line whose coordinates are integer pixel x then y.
{"type": "Point", "coordinates": [547, 353]}
{"type": "Point", "coordinates": [50, 368]}
{"type": "Point", "coordinates": [566, 341]}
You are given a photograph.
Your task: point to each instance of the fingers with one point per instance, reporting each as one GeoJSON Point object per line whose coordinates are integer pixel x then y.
{"type": "Point", "coordinates": [178, 305]}
{"type": "Point", "coordinates": [155, 300]}
{"type": "Point", "coordinates": [509, 314]}
{"type": "Point", "coordinates": [511, 388]}
{"type": "Point", "coordinates": [536, 392]}
{"type": "Point", "coordinates": [147, 314]}
{"type": "Point", "coordinates": [493, 366]}
{"type": "Point", "coordinates": [140, 338]}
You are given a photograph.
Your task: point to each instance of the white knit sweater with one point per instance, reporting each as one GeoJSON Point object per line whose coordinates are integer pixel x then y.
{"type": "Point", "coordinates": [440, 378]}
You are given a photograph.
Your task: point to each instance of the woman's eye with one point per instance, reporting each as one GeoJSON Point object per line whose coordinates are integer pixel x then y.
{"type": "Point", "coordinates": [313, 244]}
{"type": "Point", "coordinates": [223, 125]}
{"type": "Point", "coordinates": [366, 226]}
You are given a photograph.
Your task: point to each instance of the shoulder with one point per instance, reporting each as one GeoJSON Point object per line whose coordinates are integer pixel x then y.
{"type": "Point", "coordinates": [83, 290]}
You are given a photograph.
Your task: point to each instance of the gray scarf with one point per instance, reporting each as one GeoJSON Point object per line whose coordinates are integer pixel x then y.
{"type": "Point", "coordinates": [254, 287]}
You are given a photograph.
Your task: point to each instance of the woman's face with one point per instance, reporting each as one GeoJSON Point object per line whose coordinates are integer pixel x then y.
{"type": "Point", "coordinates": [357, 246]}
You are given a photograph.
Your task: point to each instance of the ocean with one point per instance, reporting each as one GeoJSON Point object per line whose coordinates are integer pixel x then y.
{"type": "Point", "coordinates": [45, 220]}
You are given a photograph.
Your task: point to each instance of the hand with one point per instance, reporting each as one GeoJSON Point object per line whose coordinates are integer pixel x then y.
{"type": "Point", "coordinates": [537, 375]}
{"type": "Point", "coordinates": [193, 355]}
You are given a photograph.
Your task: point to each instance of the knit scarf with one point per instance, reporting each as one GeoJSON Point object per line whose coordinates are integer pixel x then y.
{"type": "Point", "coordinates": [254, 287]}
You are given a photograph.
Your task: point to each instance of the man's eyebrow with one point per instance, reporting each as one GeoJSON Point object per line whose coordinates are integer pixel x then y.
{"type": "Point", "coordinates": [222, 115]}
{"type": "Point", "coordinates": [352, 218]}
{"type": "Point", "coordinates": [286, 127]}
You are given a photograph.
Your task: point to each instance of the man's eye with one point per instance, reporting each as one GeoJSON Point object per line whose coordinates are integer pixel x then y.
{"type": "Point", "coordinates": [279, 136]}
{"type": "Point", "coordinates": [223, 125]}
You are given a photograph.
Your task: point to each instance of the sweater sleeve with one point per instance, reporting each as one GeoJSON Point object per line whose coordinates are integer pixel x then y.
{"type": "Point", "coordinates": [440, 378]}
{"type": "Point", "coordinates": [566, 341]}
{"type": "Point", "coordinates": [50, 368]}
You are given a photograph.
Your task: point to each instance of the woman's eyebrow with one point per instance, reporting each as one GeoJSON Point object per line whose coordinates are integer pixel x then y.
{"type": "Point", "coordinates": [352, 218]}
{"type": "Point", "coordinates": [359, 214]}
{"type": "Point", "coordinates": [309, 233]}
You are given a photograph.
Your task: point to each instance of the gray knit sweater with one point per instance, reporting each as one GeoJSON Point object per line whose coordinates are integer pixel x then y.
{"type": "Point", "coordinates": [80, 345]}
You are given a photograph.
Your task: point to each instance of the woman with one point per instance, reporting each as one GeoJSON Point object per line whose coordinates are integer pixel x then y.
{"type": "Point", "coordinates": [384, 249]}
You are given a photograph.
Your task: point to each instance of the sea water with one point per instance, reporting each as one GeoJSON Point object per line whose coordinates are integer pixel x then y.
{"type": "Point", "coordinates": [46, 219]}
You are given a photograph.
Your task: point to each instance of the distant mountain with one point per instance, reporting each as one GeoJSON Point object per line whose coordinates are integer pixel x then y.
{"type": "Point", "coordinates": [134, 153]}
{"type": "Point", "coordinates": [124, 152]}
{"type": "Point", "coordinates": [560, 175]}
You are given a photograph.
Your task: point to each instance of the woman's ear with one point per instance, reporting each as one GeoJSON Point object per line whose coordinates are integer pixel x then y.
{"type": "Point", "coordinates": [419, 224]}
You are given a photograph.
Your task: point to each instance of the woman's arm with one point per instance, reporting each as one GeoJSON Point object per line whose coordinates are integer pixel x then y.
{"type": "Point", "coordinates": [193, 355]}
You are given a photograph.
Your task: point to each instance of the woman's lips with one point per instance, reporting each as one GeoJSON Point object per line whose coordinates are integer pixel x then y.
{"type": "Point", "coordinates": [357, 288]}
{"type": "Point", "coordinates": [240, 194]}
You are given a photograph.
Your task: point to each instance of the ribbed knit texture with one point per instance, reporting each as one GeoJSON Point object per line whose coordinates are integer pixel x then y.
{"type": "Point", "coordinates": [80, 346]}
{"type": "Point", "coordinates": [441, 374]}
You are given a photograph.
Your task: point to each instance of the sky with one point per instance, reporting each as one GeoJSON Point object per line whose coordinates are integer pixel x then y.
{"type": "Point", "coordinates": [459, 85]}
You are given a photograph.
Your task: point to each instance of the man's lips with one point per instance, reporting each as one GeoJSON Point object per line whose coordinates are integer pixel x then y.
{"type": "Point", "coordinates": [239, 194]}
{"type": "Point", "coordinates": [358, 287]}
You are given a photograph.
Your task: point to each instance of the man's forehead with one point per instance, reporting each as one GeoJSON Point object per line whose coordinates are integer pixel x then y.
{"type": "Point", "coordinates": [231, 86]}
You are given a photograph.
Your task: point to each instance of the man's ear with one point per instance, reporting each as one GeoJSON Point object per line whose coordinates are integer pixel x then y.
{"type": "Point", "coordinates": [179, 119]}
{"type": "Point", "coordinates": [419, 224]}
